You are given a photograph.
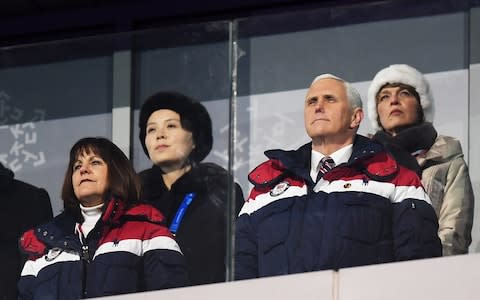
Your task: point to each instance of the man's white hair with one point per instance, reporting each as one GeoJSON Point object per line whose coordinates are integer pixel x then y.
{"type": "Point", "coordinates": [353, 96]}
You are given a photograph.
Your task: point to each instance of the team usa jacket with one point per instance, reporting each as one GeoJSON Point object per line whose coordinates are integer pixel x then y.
{"type": "Point", "coordinates": [369, 210]}
{"type": "Point", "coordinates": [129, 250]}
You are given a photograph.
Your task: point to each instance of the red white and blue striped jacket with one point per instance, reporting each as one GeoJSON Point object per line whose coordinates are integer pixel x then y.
{"type": "Point", "coordinates": [129, 250]}
{"type": "Point", "coordinates": [369, 210]}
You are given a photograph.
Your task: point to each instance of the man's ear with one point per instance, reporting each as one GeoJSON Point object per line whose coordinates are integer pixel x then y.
{"type": "Point", "coordinates": [357, 117]}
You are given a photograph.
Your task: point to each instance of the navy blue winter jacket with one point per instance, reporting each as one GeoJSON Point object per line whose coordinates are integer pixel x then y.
{"type": "Point", "coordinates": [129, 250]}
{"type": "Point", "coordinates": [369, 210]}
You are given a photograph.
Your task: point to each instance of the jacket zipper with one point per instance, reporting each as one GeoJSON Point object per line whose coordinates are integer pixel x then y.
{"type": "Point", "coordinates": [85, 257]}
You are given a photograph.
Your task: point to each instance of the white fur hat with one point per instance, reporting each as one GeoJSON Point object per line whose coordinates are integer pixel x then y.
{"type": "Point", "coordinates": [399, 74]}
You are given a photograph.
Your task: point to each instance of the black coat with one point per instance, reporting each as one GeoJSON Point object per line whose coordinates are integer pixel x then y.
{"type": "Point", "coordinates": [202, 231]}
{"type": "Point", "coordinates": [23, 207]}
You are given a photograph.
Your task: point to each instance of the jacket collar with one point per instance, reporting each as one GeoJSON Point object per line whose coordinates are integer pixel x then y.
{"type": "Point", "coordinates": [298, 161]}
{"type": "Point", "coordinates": [58, 233]}
{"type": "Point", "coordinates": [114, 211]}
{"type": "Point", "coordinates": [195, 180]}
{"type": "Point", "coordinates": [363, 148]}
{"type": "Point", "coordinates": [413, 139]}
{"type": "Point", "coordinates": [61, 231]}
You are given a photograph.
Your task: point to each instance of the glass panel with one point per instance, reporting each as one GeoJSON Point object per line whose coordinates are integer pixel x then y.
{"type": "Point", "coordinates": [283, 53]}
{"type": "Point", "coordinates": [51, 95]}
{"type": "Point", "coordinates": [192, 60]}
{"type": "Point", "coordinates": [474, 117]}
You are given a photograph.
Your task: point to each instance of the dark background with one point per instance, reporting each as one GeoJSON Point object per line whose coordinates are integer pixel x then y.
{"type": "Point", "coordinates": [27, 21]}
{"type": "Point", "coordinates": [30, 21]}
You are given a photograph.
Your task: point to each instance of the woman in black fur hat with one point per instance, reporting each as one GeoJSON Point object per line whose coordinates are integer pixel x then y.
{"type": "Point", "coordinates": [176, 134]}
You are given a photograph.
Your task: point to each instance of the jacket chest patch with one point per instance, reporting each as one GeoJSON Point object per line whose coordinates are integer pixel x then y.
{"type": "Point", "coordinates": [53, 253]}
{"type": "Point", "coordinates": [382, 189]}
{"type": "Point", "coordinates": [279, 189]}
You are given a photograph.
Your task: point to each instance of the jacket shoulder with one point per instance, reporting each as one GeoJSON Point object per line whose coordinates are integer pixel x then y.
{"type": "Point", "coordinates": [146, 211]}
{"type": "Point", "coordinates": [448, 147]}
{"type": "Point", "coordinates": [150, 174]}
{"type": "Point", "coordinates": [31, 245]}
{"type": "Point", "coordinates": [267, 174]}
{"type": "Point", "coordinates": [373, 159]}
{"type": "Point", "coordinates": [26, 189]}
{"type": "Point", "coordinates": [272, 183]}
{"type": "Point", "coordinates": [380, 166]}
{"type": "Point", "coordinates": [212, 168]}
{"type": "Point", "coordinates": [211, 174]}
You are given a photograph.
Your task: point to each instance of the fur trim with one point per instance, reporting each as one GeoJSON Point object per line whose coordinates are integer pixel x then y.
{"type": "Point", "coordinates": [399, 74]}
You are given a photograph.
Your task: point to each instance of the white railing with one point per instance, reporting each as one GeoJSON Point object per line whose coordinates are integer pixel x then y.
{"type": "Point", "coordinates": [446, 278]}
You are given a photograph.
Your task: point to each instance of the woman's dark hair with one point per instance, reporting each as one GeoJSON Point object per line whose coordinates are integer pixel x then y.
{"type": "Point", "coordinates": [411, 89]}
{"type": "Point", "coordinates": [123, 182]}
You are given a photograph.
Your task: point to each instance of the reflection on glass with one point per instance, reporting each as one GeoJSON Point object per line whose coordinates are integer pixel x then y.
{"type": "Point", "coordinates": [188, 64]}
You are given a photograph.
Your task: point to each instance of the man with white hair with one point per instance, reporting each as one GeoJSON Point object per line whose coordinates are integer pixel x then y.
{"type": "Point", "coordinates": [338, 201]}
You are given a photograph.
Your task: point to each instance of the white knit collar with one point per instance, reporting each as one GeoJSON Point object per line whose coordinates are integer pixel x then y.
{"type": "Point", "coordinates": [91, 215]}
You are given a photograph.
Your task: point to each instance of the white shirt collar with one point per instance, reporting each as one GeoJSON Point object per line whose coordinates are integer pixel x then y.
{"type": "Point", "coordinates": [339, 157]}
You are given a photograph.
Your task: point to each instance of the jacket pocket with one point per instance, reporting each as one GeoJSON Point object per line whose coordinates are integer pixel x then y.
{"type": "Point", "coordinates": [121, 275]}
{"type": "Point", "coordinates": [365, 227]}
{"type": "Point", "coordinates": [48, 286]}
{"type": "Point", "coordinates": [58, 281]}
{"type": "Point", "coordinates": [272, 248]}
{"type": "Point", "coordinates": [364, 218]}
{"type": "Point", "coordinates": [417, 218]}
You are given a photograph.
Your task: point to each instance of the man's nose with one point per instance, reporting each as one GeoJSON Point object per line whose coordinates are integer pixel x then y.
{"type": "Point", "coordinates": [319, 106]}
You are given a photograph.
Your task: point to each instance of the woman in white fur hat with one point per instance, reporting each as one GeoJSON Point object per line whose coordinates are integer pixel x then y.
{"type": "Point", "coordinates": [400, 109]}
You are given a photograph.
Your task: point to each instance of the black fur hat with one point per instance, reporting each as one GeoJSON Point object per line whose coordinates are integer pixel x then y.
{"type": "Point", "coordinates": [193, 116]}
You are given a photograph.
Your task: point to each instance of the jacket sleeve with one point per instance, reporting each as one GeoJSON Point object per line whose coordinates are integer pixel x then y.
{"type": "Point", "coordinates": [164, 267]}
{"type": "Point", "coordinates": [163, 262]}
{"type": "Point", "coordinates": [27, 281]}
{"type": "Point", "coordinates": [34, 248]}
{"type": "Point", "coordinates": [39, 211]}
{"type": "Point", "coordinates": [239, 198]}
{"type": "Point", "coordinates": [39, 207]}
{"type": "Point", "coordinates": [414, 223]}
{"type": "Point", "coordinates": [44, 212]}
{"type": "Point", "coordinates": [455, 217]}
{"type": "Point", "coordinates": [246, 262]}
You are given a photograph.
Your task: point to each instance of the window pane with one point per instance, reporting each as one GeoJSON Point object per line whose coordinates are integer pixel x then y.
{"type": "Point", "coordinates": [51, 95]}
